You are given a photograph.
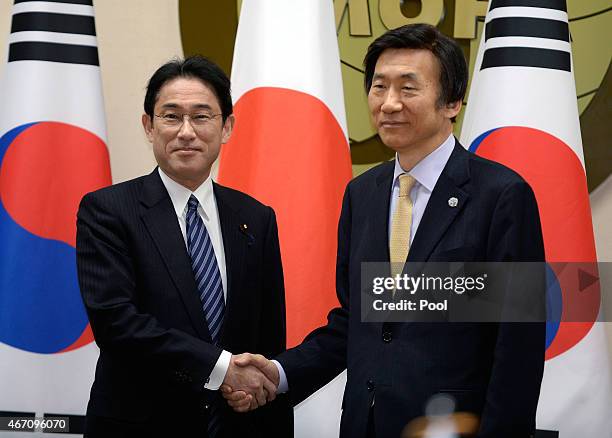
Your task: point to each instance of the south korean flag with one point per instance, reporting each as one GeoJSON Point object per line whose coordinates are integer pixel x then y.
{"type": "Point", "coordinates": [52, 151]}
{"type": "Point", "coordinates": [523, 113]}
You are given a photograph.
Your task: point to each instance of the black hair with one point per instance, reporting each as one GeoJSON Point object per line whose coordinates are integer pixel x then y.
{"type": "Point", "coordinates": [197, 67]}
{"type": "Point", "coordinates": [453, 68]}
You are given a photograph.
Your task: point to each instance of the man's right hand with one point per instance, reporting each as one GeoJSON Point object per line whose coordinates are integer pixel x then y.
{"type": "Point", "coordinates": [244, 398]}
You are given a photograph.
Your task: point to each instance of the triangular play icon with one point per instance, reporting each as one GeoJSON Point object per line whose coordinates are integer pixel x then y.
{"type": "Point", "coordinates": [585, 279]}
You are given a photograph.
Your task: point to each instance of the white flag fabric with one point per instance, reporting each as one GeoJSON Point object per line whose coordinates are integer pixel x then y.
{"type": "Point", "coordinates": [52, 152]}
{"type": "Point", "coordinates": [289, 149]}
{"type": "Point", "coordinates": [522, 111]}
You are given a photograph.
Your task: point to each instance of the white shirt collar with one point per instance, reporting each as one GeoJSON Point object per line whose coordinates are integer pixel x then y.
{"type": "Point", "coordinates": [428, 170]}
{"type": "Point", "coordinates": [179, 195]}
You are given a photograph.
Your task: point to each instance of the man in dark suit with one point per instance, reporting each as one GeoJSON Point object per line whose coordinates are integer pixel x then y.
{"type": "Point", "coordinates": [434, 202]}
{"type": "Point", "coordinates": [178, 275]}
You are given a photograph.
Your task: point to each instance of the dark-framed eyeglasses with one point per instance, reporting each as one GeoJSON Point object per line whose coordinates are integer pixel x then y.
{"type": "Point", "coordinates": [176, 120]}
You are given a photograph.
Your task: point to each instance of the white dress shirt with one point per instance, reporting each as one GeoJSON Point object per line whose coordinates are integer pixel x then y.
{"type": "Point", "coordinates": [179, 195]}
{"type": "Point", "coordinates": [426, 173]}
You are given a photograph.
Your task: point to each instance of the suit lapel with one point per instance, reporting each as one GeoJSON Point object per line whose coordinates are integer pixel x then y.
{"type": "Point", "coordinates": [160, 219]}
{"type": "Point", "coordinates": [378, 248]}
{"type": "Point", "coordinates": [439, 214]}
{"type": "Point", "coordinates": [235, 243]}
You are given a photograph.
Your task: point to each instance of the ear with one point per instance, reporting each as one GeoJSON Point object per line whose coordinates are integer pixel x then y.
{"type": "Point", "coordinates": [228, 126]}
{"type": "Point", "coordinates": [148, 127]}
{"type": "Point", "coordinates": [452, 109]}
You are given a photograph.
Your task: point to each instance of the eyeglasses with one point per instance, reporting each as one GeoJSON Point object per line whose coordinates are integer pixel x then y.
{"type": "Point", "coordinates": [198, 120]}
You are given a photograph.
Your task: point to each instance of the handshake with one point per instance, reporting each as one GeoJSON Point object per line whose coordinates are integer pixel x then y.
{"type": "Point", "coordinates": [250, 382]}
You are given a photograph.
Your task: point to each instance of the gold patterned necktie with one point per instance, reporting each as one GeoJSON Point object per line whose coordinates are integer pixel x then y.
{"type": "Point", "coordinates": [399, 243]}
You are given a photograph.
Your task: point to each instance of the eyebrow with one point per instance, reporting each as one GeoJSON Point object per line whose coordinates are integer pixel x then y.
{"type": "Point", "coordinates": [410, 75]}
{"type": "Point", "coordinates": [196, 106]}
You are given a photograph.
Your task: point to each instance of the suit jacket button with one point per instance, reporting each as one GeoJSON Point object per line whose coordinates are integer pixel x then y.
{"type": "Point", "coordinates": [370, 385]}
{"type": "Point", "coordinates": [386, 337]}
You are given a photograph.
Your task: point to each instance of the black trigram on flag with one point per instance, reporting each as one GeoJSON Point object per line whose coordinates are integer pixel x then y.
{"type": "Point", "coordinates": [537, 38]}
{"type": "Point", "coordinates": [53, 30]}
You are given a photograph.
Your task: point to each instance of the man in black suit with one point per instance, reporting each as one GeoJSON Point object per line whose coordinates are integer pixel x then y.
{"type": "Point", "coordinates": [455, 207]}
{"type": "Point", "coordinates": [178, 275]}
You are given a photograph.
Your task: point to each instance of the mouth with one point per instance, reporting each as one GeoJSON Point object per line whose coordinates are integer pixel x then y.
{"type": "Point", "coordinates": [186, 149]}
{"type": "Point", "coordinates": [390, 124]}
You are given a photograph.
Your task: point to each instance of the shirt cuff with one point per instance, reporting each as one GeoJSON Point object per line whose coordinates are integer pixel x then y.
{"type": "Point", "coordinates": [283, 385]}
{"type": "Point", "coordinates": [217, 376]}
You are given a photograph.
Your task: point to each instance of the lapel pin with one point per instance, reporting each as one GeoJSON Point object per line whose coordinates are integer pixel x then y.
{"type": "Point", "coordinates": [245, 230]}
{"type": "Point", "coordinates": [452, 202]}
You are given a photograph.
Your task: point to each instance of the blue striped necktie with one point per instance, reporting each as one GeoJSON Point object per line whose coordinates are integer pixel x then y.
{"type": "Point", "coordinates": [210, 288]}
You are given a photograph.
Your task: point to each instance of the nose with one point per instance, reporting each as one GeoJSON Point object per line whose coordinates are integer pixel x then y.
{"type": "Point", "coordinates": [186, 132]}
{"type": "Point", "coordinates": [392, 102]}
